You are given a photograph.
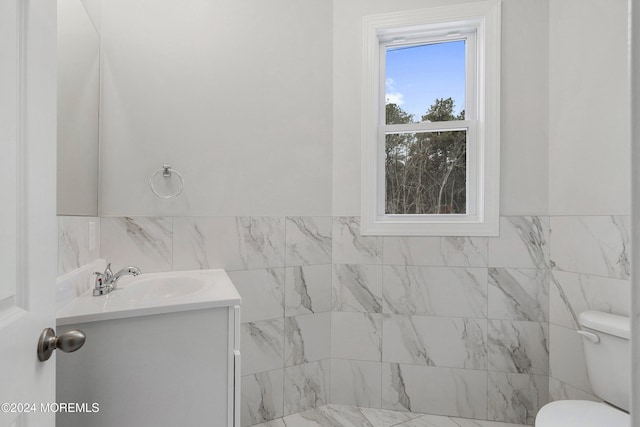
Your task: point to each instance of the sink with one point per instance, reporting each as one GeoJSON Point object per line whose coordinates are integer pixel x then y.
{"type": "Point", "coordinates": [151, 334]}
{"type": "Point", "coordinates": [153, 293]}
{"type": "Point", "coordinates": [147, 288]}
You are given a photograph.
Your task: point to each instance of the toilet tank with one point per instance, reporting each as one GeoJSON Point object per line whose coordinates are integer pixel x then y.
{"type": "Point", "coordinates": [607, 354]}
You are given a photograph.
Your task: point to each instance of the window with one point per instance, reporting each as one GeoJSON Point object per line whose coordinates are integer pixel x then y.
{"type": "Point", "coordinates": [431, 151]}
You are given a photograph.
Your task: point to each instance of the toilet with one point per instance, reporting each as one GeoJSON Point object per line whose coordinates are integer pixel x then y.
{"type": "Point", "coordinates": [605, 339]}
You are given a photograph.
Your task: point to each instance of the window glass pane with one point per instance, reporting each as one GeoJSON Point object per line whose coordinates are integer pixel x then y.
{"type": "Point", "coordinates": [426, 173]}
{"type": "Point", "coordinates": [425, 82]}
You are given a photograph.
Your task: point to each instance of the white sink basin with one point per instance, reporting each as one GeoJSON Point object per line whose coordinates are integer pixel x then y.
{"type": "Point", "coordinates": [161, 287]}
{"type": "Point", "coordinates": [153, 293]}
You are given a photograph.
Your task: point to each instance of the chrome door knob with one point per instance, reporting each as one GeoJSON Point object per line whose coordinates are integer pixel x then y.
{"type": "Point", "coordinates": [68, 342]}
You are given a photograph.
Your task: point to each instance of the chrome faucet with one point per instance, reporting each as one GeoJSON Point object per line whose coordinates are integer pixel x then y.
{"type": "Point", "coordinates": [106, 282]}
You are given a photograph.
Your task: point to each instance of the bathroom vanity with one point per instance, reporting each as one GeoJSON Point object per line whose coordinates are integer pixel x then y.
{"type": "Point", "coordinates": [161, 350]}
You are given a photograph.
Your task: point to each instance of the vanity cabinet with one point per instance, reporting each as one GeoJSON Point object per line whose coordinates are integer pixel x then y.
{"type": "Point", "coordinates": [176, 368]}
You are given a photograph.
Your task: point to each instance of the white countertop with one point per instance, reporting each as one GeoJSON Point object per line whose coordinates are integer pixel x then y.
{"type": "Point", "coordinates": [126, 300]}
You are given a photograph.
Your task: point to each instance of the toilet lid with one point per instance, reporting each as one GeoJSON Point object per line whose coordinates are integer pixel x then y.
{"type": "Point", "coordinates": [581, 413]}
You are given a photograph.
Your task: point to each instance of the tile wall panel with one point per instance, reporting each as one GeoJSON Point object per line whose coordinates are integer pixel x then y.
{"type": "Point", "coordinates": [460, 317]}
{"type": "Point", "coordinates": [146, 242]}
{"type": "Point", "coordinates": [74, 248]}
{"type": "Point", "coordinates": [329, 315]}
{"type": "Point", "coordinates": [589, 257]}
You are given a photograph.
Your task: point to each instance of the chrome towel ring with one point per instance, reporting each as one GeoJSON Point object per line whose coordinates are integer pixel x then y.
{"type": "Point", "coordinates": [166, 172]}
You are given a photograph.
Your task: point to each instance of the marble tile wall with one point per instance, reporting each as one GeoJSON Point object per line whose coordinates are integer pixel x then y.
{"type": "Point", "coordinates": [590, 257]}
{"type": "Point", "coordinates": [445, 325]}
{"type": "Point", "coordinates": [74, 249]}
{"type": "Point", "coordinates": [282, 269]}
{"type": "Point", "coordinates": [451, 326]}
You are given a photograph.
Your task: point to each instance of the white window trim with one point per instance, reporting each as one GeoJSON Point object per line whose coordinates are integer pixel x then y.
{"type": "Point", "coordinates": [483, 18]}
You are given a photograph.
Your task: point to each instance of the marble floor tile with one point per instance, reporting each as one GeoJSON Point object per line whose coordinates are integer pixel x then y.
{"type": "Point", "coordinates": [386, 417]}
{"type": "Point", "coordinates": [466, 422]}
{"type": "Point", "coordinates": [350, 416]}
{"type": "Point", "coordinates": [275, 423]}
{"type": "Point", "coordinates": [328, 416]}
{"type": "Point", "coordinates": [430, 421]}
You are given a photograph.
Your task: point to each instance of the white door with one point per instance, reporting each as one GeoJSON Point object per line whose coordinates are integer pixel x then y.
{"type": "Point", "coordinates": [28, 236]}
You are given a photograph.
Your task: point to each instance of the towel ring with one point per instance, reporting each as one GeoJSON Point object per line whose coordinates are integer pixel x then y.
{"type": "Point", "coordinates": [166, 172]}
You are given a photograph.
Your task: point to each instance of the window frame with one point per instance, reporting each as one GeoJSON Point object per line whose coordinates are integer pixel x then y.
{"type": "Point", "coordinates": [469, 125]}
{"type": "Point", "coordinates": [479, 24]}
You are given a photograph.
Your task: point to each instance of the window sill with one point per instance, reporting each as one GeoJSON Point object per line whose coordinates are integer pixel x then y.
{"type": "Point", "coordinates": [437, 225]}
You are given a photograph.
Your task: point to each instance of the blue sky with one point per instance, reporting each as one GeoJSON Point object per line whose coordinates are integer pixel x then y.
{"type": "Point", "coordinates": [417, 75]}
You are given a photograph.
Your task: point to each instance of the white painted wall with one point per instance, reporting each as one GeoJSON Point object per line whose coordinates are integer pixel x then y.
{"type": "Point", "coordinates": [94, 10]}
{"type": "Point", "coordinates": [253, 160]}
{"type": "Point", "coordinates": [78, 116]}
{"type": "Point", "coordinates": [524, 102]}
{"type": "Point", "coordinates": [235, 95]}
{"type": "Point", "coordinates": [589, 177]}
{"type": "Point", "coordinates": [525, 97]}
{"type": "Point", "coordinates": [589, 122]}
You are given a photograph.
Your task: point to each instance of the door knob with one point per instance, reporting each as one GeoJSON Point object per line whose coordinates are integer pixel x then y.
{"type": "Point", "coordinates": [68, 342]}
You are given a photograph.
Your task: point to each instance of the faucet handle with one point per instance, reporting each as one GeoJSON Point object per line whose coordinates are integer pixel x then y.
{"type": "Point", "coordinates": [107, 276]}
{"type": "Point", "coordinates": [102, 286]}
{"type": "Point", "coordinates": [99, 278]}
